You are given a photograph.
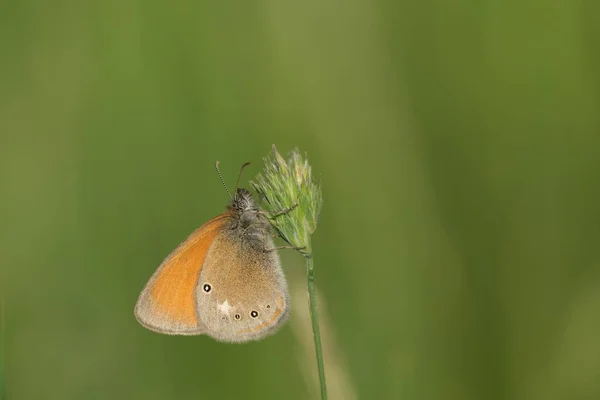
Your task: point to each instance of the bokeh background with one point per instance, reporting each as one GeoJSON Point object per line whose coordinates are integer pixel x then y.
{"type": "Point", "coordinates": [458, 147]}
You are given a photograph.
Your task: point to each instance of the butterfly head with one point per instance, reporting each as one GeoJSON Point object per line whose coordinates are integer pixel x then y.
{"type": "Point", "coordinates": [242, 201]}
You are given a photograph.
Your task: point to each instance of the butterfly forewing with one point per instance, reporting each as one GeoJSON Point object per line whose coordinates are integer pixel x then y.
{"type": "Point", "coordinates": [168, 302]}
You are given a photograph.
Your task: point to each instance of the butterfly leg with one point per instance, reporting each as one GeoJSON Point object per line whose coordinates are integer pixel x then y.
{"type": "Point", "coordinates": [277, 214]}
{"type": "Point", "coordinates": [285, 247]}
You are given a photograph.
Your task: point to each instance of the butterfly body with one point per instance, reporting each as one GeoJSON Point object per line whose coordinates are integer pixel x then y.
{"type": "Point", "coordinates": [225, 280]}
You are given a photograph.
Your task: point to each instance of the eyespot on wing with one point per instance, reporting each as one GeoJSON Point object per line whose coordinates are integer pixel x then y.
{"type": "Point", "coordinates": [271, 322]}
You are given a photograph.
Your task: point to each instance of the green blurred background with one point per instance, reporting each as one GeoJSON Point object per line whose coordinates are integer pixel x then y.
{"type": "Point", "coordinates": [458, 146]}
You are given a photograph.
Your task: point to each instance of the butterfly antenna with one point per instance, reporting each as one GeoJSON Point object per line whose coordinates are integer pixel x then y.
{"type": "Point", "coordinates": [222, 180]}
{"type": "Point", "coordinates": [240, 174]}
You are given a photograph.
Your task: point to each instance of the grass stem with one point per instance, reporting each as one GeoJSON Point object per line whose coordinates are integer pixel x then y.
{"type": "Point", "coordinates": [2, 355]}
{"type": "Point", "coordinates": [314, 316]}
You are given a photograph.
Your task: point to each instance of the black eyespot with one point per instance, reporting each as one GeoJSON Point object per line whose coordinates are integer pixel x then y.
{"type": "Point", "coordinates": [206, 287]}
{"type": "Point", "coordinates": [223, 318]}
{"type": "Point", "coordinates": [238, 316]}
{"type": "Point", "coordinates": [268, 306]}
{"type": "Point", "coordinates": [254, 314]}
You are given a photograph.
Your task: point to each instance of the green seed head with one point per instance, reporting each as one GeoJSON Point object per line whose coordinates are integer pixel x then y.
{"type": "Point", "coordinates": [283, 185]}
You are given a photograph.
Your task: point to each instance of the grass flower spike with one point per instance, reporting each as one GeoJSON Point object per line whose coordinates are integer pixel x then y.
{"type": "Point", "coordinates": [285, 185]}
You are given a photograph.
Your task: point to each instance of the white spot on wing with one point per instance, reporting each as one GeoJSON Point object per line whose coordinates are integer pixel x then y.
{"type": "Point", "coordinates": [225, 307]}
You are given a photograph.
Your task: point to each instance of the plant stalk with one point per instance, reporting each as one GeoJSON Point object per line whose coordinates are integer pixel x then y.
{"type": "Point", "coordinates": [2, 371]}
{"type": "Point", "coordinates": [314, 316]}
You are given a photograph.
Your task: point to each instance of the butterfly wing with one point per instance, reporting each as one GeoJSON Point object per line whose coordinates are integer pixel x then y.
{"type": "Point", "coordinates": [242, 294]}
{"type": "Point", "coordinates": [168, 302]}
